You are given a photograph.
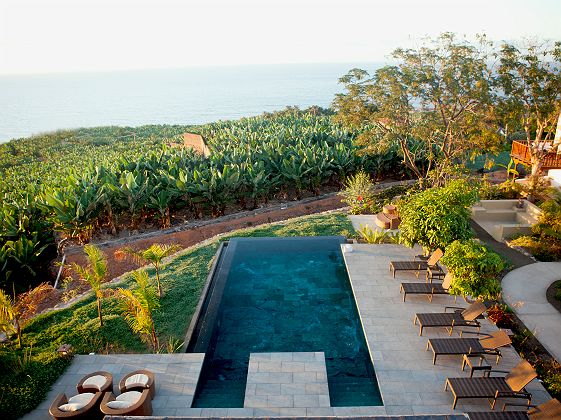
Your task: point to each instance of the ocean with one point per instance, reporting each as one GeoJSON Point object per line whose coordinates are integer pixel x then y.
{"type": "Point", "coordinates": [34, 104]}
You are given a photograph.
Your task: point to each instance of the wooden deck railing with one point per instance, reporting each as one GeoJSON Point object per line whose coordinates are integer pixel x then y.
{"type": "Point", "coordinates": [521, 153]}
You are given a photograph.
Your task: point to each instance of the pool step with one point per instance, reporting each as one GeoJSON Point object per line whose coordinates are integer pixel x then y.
{"type": "Point", "coordinates": [220, 394]}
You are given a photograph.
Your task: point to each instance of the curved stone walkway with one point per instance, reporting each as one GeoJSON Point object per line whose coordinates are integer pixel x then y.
{"type": "Point", "coordinates": [524, 289]}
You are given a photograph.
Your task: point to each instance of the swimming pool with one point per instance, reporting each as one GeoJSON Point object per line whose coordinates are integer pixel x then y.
{"type": "Point", "coordinates": [281, 295]}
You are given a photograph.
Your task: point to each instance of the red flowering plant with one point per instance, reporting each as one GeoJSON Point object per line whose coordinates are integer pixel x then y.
{"type": "Point", "coordinates": [358, 193]}
{"type": "Point", "coordinates": [499, 315]}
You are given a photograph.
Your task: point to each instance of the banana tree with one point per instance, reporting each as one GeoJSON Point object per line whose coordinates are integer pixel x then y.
{"type": "Point", "coordinates": [294, 171]}
{"type": "Point", "coordinates": [25, 251]}
{"type": "Point", "coordinates": [319, 166]}
{"type": "Point", "coordinates": [216, 187]}
{"type": "Point", "coordinates": [258, 181]}
{"type": "Point", "coordinates": [74, 210]}
{"type": "Point", "coordinates": [132, 193]}
{"type": "Point", "coordinates": [160, 200]}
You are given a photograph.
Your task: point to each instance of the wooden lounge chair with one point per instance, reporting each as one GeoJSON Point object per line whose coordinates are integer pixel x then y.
{"type": "Point", "coordinates": [429, 289]}
{"type": "Point", "coordinates": [417, 265]}
{"type": "Point", "coordinates": [510, 386]}
{"type": "Point", "coordinates": [61, 407]}
{"type": "Point", "coordinates": [550, 410]}
{"type": "Point", "coordinates": [96, 381]}
{"type": "Point", "coordinates": [486, 344]}
{"type": "Point", "coordinates": [138, 381]}
{"type": "Point", "coordinates": [497, 415]}
{"type": "Point", "coordinates": [461, 317]}
{"type": "Point", "coordinates": [141, 407]}
{"type": "Point", "coordinates": [546, 411]}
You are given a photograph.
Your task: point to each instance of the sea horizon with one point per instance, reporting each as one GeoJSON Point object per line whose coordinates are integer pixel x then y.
{"type": "Point", "coordinates": [35, 104]}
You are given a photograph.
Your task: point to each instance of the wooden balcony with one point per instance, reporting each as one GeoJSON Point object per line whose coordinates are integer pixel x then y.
{"type": "Point", "coordinates": [521, 154]}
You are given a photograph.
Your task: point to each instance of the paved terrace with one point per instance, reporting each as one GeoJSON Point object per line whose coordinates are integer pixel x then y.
{"type": "Point", "coordinates": [409, 382]}
{"type": "Point", "coordinates": [294, 384]}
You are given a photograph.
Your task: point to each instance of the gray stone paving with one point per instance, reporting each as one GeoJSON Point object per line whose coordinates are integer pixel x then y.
{"type": "Point", "coordinates": [287, 380]}
{"type": "Point", "coordinates": [409, 383]}
{"type": "Point", "coordinates": [176, 377]}
{"type": "Point", "coordinates": [524, 290]}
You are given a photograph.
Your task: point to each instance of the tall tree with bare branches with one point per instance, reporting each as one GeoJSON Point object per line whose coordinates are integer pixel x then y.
{"type": "Point", "coordinates": [436, 103]}
{"type": "Point", "coordinates": [529, 81]}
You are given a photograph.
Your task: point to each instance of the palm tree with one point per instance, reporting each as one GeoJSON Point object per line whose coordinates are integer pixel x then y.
{"type": "Point", "coordinates": [94, 273]}
{"type": "Point", "coordinates": [153, 255]}
{"type": "Point", "coordinates": [137, 306]}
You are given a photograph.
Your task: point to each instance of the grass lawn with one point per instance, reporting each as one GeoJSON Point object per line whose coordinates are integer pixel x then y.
{"type": "Point", "coordinates": [25, 381]}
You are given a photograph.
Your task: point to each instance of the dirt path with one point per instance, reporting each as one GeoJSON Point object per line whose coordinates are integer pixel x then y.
{"type": "Point", "coordinates": [194, 233]}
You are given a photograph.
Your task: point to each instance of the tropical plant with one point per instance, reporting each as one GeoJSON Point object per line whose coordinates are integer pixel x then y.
{"type": "Point", "coordinates": [138, 305]}
{"type": "Point", "coordinates": [373, 236]}
{"type": "Point", "coordinates": [153, 255]}
{"type": "Point", "coordinates": [475, 269]}
{"type": "Point", "coordinates": [9, 323]}
{"type": "Point", "coordinates": [94, 274]}
{"type": "Point", "coordinates": [358, 192]}
{"type": "Point", "coordinates": [16, 312]}
{"type": "Point", "coordinates": [438, 216]}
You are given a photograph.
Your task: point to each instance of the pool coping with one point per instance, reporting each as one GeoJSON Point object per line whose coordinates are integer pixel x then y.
{"type": "Point", "coordinates": [196, 315]}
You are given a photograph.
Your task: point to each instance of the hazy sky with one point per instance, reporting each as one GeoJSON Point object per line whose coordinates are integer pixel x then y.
{"type": "Point", "coordinates": [89, 35]}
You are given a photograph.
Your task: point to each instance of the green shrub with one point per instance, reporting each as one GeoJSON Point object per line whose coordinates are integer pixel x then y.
{"type": "Point", "coordinates": [545, 241]}
{"type": "Point", "coordinates": [358, 193]}
{"type": "Point", "coordinates": [475, 269]}
{"type": "Point", "coordinates": [22, 389]}
{"type": "Point", "coordinates": [553, 383]}
{"type": "Point", "coordinates": [507, 190]}
{"type": "Point", "coordinates": [436, 217]}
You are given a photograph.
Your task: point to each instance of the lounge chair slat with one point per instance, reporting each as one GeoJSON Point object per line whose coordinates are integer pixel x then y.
{"type": "Point", "coordinates": [456, 345]}
{"type": "Point", "coordinates": [477, 387]}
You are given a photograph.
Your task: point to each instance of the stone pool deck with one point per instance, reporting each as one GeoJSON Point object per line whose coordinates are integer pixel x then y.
{"type": "Point", "coordinates": [294, 384]}
{"type": "Point", "coordinates": [409, 382]}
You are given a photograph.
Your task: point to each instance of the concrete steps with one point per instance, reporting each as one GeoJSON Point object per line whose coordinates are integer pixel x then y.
{"type": "Point", "coordinates": [505, 218]}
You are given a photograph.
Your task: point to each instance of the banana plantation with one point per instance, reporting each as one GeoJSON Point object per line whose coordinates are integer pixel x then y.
{"type": "Point", "coordinates": [74, 184]}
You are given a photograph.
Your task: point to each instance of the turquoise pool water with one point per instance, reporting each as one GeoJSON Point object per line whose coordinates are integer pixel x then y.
{"type": "Point", "coordinates": [282, 295]}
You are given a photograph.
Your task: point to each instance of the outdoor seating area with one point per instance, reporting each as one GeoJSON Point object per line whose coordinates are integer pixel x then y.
{"type": "Point", "coordinates": [411, 380]}
{"type": "Point", "coordinates": [95, 397]}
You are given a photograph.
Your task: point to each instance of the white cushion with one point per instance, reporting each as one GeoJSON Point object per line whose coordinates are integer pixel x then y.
{"type": "Point", "coordinates": [85, 397]}
{"type": "Point", "coordinates": [72, 406]}
{"type": "Point", "coordinates": [119, 404]}
{"type": "Point", "coordinates": [130, 396]}
{"type": "Point", "coordinates": [140, 379]}
{"type": "Point", "coordinates": [96, 381]}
